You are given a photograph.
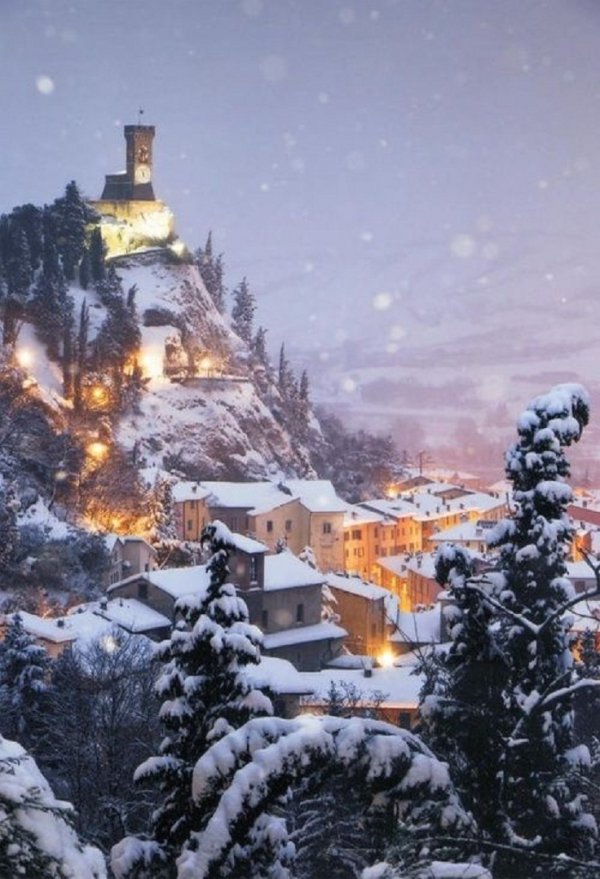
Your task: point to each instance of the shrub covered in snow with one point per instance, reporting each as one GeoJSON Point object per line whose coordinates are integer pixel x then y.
{"type": "Point", "coordinates": [36, 835]}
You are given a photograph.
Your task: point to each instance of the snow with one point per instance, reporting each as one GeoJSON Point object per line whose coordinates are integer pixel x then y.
{"type": "Point", "coordinates": [47, 374]}
{"type": "Point", "coordinates": [421, 563]}
{"type": "Point", "coordinates": [256, 497]}
{"type": "Point", "coordinates": [37, 811]}
{"type": "Point", "coordinates": [465, 532]}
{"type": "Point", "coordinates": [446, 870]}
{"type": "Point", "coordinates": [356, 586]}
{"type": "Point", "coordinates": [423, 627]}
{"type": "Point", "coordinates": [39, 514]}
{"type": "Point", "coordinates": [86, 626]}
{"type": "Point", "coordinates": [127, 613]}
{"type": "Point", "coordinates": [357, 515]}
{"type": "Point", "coordinates": [176, 582]}
{"type": "Point", "coordinates": [399, 687]}
{"type": "Point", "coordinates": [303, 635]}
{"type": "Point", "coordinates": [279, 675]}
{"type": "Point", "coordinates": [317, 495]}
{"type": "Point", "coordinates": [285, 571]}
{"type": "Point", "coordinates": [232, 538]}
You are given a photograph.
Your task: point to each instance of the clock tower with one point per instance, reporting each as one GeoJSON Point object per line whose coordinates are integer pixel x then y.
{"type": "Point", "coordinates": [136, 183]}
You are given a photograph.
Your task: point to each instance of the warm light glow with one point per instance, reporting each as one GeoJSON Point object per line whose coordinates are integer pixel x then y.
{"type": "Point", "coordinates": [391, 492]}
{"type": "Point", "coordinates": [151, 362]}
{"type": "Point", "coordinates": [99, 394]}
{"type": "Point", "coordinates": [25, 357]}
{"type": "Point", "coordinates": [206, 364]}
{"type": "Point", "coordinates": [386, 659]}
{"type": "Point", "coordinates": [97, 450]}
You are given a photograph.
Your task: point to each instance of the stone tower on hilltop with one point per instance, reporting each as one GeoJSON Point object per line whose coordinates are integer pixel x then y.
{"type": "Point", "coordinates": [136, 182]}
{"type": "Point", "coordinates": [132, 219]}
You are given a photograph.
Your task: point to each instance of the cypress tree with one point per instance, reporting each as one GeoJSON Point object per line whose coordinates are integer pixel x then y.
{"type": "Point", "coordinates": [242, 313]}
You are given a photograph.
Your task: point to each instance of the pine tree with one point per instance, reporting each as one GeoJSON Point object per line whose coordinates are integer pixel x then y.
{"type": "Point", "coordinates": [206, 695]}
{"type": "Point", "coordinates": [81, 345]}
{"type": "Point", "coordinates": [285, 377]}
{"type": "Point", "coordinates": [212, 271]}
{"type": "Point", "coordinates": [97, 252]}
{"type": "Point", "coordinates": [242, 313]}
{"type": "Point", "coordinates": [37, 839]}
{"type": "Point", "coordinates": [9, 532]}
{"type": "Point", "coordinates": [51, 309]}
{"type": "Point", "coordinates": [71, 215]}
{"type": "Point", "coordinates": [23, 669]}
{"type": "Point", "coordinates": [18, 273]}
{"type": "Point", "coordinates": [499, 707]}
{"type": "Point", "coordinates": [259, 347]}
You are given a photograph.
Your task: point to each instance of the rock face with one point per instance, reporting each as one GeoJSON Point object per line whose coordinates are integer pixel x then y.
{"type": "Point", "coordinates": [207, 408]}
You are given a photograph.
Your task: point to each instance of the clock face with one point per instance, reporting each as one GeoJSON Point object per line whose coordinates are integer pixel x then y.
{"type": "Point", "coordinates": [143, 154]}
{"type": "Point", "coordinates": [142, 174]}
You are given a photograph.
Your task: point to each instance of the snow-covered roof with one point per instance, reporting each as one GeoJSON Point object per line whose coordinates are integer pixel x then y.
{"type": "Point", "coordinates": [188, 491]}
{"type": "Point", "coordinates": [244, 544]}
{"type": "Point", "coordinates": [394, 509]}
{"type": "Point", "coordinates": [421, 563]}
{"type": "Point", "coordinates": [176, 582]}
{"type": "Point", "coordinates": [284, 571]}
{"type": "Point", "coordinates": [423, 627]}
{"type": "Point", "coordinates": [303, 635]}
{"type": "Point", "coordinates": [110, 541]}
{"type": "Point", "coordinates": [580, 571]}
{"type": "Point", "coordinates": [356, 586]}
{"type": "Point", "coordinates": [129, 614]}
{"type": "Point", "coordinates": [465, 531]}
{"type": "Point", "coordinates": [357, 515]}
{"type": "Point", "coordinates": [398, 685]}
{"type": "Point", "coordinates": [278, 674]}
{"type": "Point", "coordinates": [256, 497]}
{"type": "Point", "coordinates": [317, 495]}
{"type": "Point", "coordinates": [86, 625]}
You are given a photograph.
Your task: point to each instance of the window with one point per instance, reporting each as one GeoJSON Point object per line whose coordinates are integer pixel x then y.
{"type": "Point", "coordinates": [404, 719]}
{"type": "Point", "coordinates": [142, 590]}
{"type": "Point", "coordinates": [326, 527]}
{"type": "Point", "coordinates": [373, 630]}
{"type": "Point", "coordinates": [300, 613]}
{"type": "Point", "coordinates": [288, 525]}
{"type": "Point", "coordinates": [253, 569]}
{"type": "Point", "coordinates": [376, 532]}
{"type": "Point", "coordinates": [357, 534]}
{"type": "Point", "coordinates": [190, 524]}
{"type": "Point", "coordinates": [265, 619]}
{"type": "Point", "coordinates": [346, 535]}
{"type": "Point", "coordinates": [234, 523]}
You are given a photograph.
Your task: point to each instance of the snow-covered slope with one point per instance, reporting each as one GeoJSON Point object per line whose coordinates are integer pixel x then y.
{"type": "Point", "coordinates": [218, 425]}
{"type": "Point", "coordinates": [214, 425]}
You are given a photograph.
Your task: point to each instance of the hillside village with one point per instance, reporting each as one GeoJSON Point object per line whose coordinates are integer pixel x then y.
{"type": "Point", "coordinates": [165, 489]}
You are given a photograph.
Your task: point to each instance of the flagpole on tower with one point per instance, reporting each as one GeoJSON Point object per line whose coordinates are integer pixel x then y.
{"type": "Point", "coordinates": [140, 114]}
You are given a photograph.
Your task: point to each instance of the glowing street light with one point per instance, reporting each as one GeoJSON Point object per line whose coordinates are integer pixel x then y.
{"type": "Point", "coordinates": [151, 363]}
{"type": "Point", "coordinates": [97, 450]}
{"type": "Point", "coordinates": [386, 659]}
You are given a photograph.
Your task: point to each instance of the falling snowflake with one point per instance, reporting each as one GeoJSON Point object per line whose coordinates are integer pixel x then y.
{"type": "Point", "coordinates": [44, 85]}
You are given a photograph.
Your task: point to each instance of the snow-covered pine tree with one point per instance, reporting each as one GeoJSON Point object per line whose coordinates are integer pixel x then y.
{"type": "Point", "coordinates": [24, 666]}
{"type": "Point", "coordinates": [71, 216]}
{"type": "Point", "coordinates": [206, 695]}
{"type": "Point", "coordinates": [97, 252]}
{"type": "Point", "coordinates": [211, 271]}
{"type": "Point", "coordinates": [499, 707]}
{"type": "Point", "coordinates": [9, 532]}
{"type": "Point", "coordinates": [259, 347]}
{"type": "Point", "coordinates": [242, 313]}
{"type": "Point", "coordinates": [36, 835]}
